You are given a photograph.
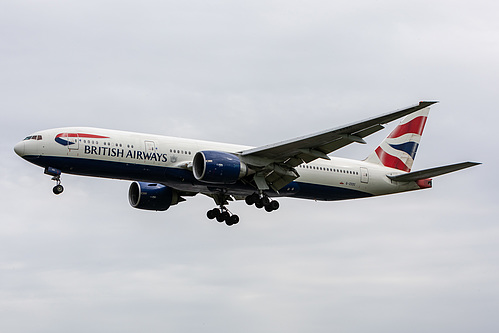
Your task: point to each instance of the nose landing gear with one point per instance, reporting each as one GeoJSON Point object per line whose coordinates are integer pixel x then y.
{"type": "Point", "coordinates": [57, 189]}
{"type": "Point", "coordinates": [56, 176]}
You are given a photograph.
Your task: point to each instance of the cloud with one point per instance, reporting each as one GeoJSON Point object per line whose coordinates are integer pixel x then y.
{"type": "Point", "coordinates": [250, 73]}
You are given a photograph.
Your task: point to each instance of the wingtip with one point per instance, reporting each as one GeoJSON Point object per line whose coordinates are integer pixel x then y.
{"type": "Point", "coordinates": [427, 103]}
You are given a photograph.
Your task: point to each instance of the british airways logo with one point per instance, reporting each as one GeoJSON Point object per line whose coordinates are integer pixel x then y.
{"type": "Point", "coordinates": [65, 138]}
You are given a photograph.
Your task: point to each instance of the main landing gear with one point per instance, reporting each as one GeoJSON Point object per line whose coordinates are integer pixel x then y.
{"type": "Point", "coordinates": [261, 200]}
{"type": "Point", "coordinates": [222, 214]}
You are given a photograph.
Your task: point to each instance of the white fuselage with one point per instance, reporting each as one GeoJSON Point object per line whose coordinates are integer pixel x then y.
{"type": "Point", "coordinates": [168, 160]}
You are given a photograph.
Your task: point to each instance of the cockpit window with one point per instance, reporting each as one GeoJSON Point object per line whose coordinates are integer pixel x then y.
{"type": "Point", "coordinates": [33, 137]}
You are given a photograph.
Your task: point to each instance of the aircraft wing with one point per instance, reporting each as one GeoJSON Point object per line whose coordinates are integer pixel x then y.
{"type": "Point", "coordinates": [433, 172]}
{"type": "Point", "coordinates": [277, 161]}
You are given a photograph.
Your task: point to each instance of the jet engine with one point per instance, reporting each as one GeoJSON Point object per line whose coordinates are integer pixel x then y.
{"type": "Point", "coordinates": [152, 196]}
{"type": "Point", "coordinates": [218, 167]}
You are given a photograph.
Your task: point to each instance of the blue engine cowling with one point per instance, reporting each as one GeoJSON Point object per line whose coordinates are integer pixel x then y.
{"type": "Point", "coordinates": [218, 167]}
{"type": "Point", "coordinates": [151, 196]}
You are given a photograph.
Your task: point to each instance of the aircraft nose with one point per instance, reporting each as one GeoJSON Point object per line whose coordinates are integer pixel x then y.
{"type": "Point", "coordinates": [19, 148]}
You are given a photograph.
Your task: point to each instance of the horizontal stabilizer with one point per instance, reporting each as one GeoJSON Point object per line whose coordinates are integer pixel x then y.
{"type": "Point", "coordinates": [433, 172]}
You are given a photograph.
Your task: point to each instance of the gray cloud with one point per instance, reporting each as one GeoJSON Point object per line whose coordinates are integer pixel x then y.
{"type": "Point", "coordinates": [250, 73]}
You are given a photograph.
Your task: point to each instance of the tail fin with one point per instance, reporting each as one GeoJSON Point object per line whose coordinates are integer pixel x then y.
{"type": "Point", "coordinates": [398, 150]}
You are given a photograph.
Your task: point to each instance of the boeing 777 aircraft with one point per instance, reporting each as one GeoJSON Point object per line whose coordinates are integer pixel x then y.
{"type": "Point", "coordinates": [165, 170]}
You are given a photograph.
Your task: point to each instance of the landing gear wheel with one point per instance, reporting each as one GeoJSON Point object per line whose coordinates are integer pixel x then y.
{"type": "Point", "coordinates": [211, 214]}
{"type": "Point", "coordinates": [271, 206]}
{"type": "Point", "coordinates": [252, 198]}
{"type": "Point", "coordinates": [58, 189]}
{"type": "Point", "coordinates": [249, 200]}
{"type": "Point", "coordinates": [220, 218]}
{"type": "Point", "coordinates": [234, 219]}
{"type": "Point", "coordinates": [225, 216]}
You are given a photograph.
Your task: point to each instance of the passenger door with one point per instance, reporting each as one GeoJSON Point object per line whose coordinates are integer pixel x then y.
{"type": "Point", "coordinates": [364, 175]}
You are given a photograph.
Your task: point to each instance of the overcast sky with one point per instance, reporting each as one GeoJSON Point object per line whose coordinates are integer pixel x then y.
{"type": "Point", "coordinates": [250, 72]}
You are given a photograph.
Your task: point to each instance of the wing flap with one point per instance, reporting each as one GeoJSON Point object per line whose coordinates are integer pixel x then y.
{"type": "Point", "coordinates": [433, 172]}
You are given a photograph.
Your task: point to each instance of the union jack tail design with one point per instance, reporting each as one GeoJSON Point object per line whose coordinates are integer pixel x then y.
{"type": "Point", "coordinates": [398, 150]}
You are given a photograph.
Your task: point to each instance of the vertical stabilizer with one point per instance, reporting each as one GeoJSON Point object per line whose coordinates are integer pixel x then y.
{"type": "Point", "coordinates": [399, 149]}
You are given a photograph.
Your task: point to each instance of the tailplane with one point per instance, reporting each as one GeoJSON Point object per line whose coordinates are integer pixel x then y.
{"type": "Point", "coordinates": [399, 149]}
{"type": "Point", "coordinates": [433, 172]}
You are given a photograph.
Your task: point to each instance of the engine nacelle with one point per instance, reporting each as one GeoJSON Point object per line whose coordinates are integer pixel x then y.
{"type": "Point", "coordinates": [218, 167]}
{"type": "Point", "coordinates": [151, 196]}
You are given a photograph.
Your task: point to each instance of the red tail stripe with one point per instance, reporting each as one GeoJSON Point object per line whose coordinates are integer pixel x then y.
{"type": "Point", "coordinates": [415, 126]}
{"type": "Point", "coordinates": [390, 160]}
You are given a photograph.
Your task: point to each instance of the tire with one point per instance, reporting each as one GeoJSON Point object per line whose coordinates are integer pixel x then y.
{"type": "Point", "coordinates": [58, 189]}
{"type": "Point", "coordinates": [234, 219]}
{"type": "Point", "coordinates": [220, 218]}
{"type": "Point", "coordinates": [211, 214]}
{"type": "Point", "coordinates": [249, 200]}
{"type": "Point", "coordinates": [225, 216]}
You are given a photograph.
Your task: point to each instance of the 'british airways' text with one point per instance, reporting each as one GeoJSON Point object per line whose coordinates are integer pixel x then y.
{"type": "Point", "coordinates": [120, 153]}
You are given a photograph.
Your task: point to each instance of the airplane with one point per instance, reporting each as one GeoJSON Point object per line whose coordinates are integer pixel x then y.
{"type": "Point", "coordinates": [165, 170]}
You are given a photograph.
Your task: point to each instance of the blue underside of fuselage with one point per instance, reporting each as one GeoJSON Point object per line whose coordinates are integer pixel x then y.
{"type": "Point", "coordinates": [183, 180]}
